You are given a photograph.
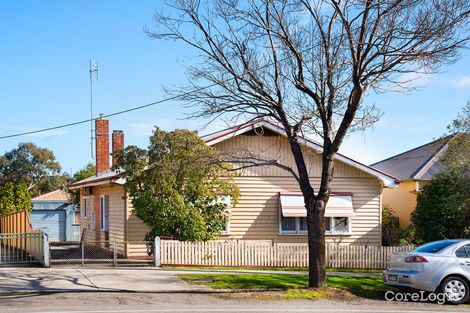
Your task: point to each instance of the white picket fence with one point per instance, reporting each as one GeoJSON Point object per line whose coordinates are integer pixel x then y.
{"type": "Point", "coordinates": [268, 254]}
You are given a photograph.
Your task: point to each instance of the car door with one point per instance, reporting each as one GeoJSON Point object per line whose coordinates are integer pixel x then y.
{"type": "Point", "coordinates": [463, 257]}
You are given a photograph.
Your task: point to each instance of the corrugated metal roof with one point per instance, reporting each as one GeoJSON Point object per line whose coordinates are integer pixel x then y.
{"type": "Point", "coordinates": [418, 163]}
{"type": "Point", "coordinates": [433, 170]}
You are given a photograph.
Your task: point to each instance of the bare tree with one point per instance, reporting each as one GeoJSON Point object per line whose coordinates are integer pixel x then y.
{"type": "Point", "coordinates": [307, 65]}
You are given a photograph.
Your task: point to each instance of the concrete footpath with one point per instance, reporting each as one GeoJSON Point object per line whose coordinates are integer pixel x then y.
{"type": "Point", "coordinates": [142, 279]}
{"type": "Point", "coordinates": [49, 280]}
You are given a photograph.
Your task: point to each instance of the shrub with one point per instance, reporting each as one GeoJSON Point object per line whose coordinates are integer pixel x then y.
{"type": "Point", "coordinates": [14, 198]}
{"type": "Point", "coordinates": [390, 227]}
{"type": "Point", "coordinates": [443, 209]}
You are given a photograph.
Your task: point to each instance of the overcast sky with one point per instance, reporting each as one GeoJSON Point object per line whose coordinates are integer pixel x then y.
{"type": "Point", "coordinates": [45, 51]}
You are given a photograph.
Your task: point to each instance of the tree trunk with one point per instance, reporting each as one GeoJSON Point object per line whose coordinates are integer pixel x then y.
{"type": "Point", "coordinates": [316, 243]}
{"type": "Point", "coordinates": [315, 206]}
{"type": "Point", "coordinates": [316, 221]}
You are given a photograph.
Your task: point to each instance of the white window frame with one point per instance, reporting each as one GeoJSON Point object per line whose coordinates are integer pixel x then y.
{"type": "Point", "coordinates": [103, 221]}
{"type": "Point", "coordinates": [332, 227]}
{"type": "Point", "coordinates": [297, 230]}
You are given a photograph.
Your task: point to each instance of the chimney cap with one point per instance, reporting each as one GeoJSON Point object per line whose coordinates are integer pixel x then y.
{"type": "Point", "coordinates": [117, 131]}
{"type": "Point", "coordinates": [101, 116]}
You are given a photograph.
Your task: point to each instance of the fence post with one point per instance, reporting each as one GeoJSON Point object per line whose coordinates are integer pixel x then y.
{"type": "Point", "coordinates": [83, 252]}
{"type": "Point", "coordinates": [114, 253]}
{"type": "Point", "coordinates": [46, 249]}
{"type": "Point", "coordinates": [157, 252]}
{"type": "Point", "coordinates": [327, 254]}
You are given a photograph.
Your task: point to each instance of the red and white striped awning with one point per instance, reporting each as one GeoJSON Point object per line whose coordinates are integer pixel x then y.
{"type": "Point", "coordinates": [292, 205]}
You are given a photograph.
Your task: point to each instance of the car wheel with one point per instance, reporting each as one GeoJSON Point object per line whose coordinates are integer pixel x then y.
{"type": "Point", "coordinates": [456, 290]}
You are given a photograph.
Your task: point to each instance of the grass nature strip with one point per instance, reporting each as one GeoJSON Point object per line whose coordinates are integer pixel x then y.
{"type": "Point", "coordinates": [294, 286]}
{"type": "Point", "coordinates": [293, 269]}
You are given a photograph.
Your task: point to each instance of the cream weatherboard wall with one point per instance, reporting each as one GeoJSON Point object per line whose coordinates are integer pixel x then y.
{"type": "Point", "coordinates": [125, 229]}
{"type": "Point", "coordinates": [274, 147]}
{"type": "Point", "coordinates": [257, 214]}
{"type": "Point", "coordinates": [88, 230]}
{"type": "Point", "coordinates": [117, 214]}
{"type": "Point", "coordinates": [136, 230]}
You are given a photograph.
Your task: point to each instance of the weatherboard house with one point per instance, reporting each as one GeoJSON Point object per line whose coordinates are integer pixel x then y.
{"type": "Point", "coordinates": [270, 206]}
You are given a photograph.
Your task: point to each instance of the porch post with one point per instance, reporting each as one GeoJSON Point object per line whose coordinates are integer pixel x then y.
{"type": "Point", "coordinates": [156, 252]}
{"type": "Point", "coordinates": [46, 249]}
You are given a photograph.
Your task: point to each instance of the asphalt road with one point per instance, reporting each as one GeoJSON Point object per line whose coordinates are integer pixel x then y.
{"type": "Point", "coordinates": [99, 302]}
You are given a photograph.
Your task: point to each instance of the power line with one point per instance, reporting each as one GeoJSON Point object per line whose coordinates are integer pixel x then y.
{"type": "Point", "coordinates": [107, 115]}
{"type": "Point", "coordinates": [127, 110]}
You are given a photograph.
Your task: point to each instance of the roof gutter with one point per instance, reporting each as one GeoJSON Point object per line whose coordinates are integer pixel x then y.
{"type": "Point", "coordinates": [98, 182]}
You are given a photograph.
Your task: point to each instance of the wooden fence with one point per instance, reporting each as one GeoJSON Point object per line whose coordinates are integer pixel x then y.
{"type": "Point", "coordinates": [19, 243]}
{"type": "Point", "coordinates": [268, 254]}
{"type": "Point", "coordinates": [18, 222]}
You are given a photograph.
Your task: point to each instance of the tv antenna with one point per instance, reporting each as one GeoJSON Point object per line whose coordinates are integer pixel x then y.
{"type": "Point", "coordinates": [93, 76]}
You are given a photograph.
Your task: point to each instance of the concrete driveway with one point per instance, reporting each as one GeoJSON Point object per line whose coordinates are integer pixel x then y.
{"type": "Point", "coordinates": [28, 279]}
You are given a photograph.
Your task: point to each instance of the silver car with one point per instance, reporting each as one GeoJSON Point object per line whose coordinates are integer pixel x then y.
{"type": "Point", "coordinates": [440, 267]}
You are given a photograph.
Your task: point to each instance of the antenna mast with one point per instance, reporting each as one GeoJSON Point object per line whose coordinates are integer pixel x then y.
{"type": "Point", "coordinates": [93, 76]}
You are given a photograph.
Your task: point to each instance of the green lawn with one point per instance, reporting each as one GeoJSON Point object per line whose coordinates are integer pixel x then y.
{"type": "Point", "coordinates": [237, 268]}
{"type": "Point", "coordinates": [295, 285]}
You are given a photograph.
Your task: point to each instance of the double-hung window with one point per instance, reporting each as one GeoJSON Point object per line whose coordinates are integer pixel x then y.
{"type": "Point", "coordinates": [293, 215]}
{"type": "Point", "coordinates": [104, 213]}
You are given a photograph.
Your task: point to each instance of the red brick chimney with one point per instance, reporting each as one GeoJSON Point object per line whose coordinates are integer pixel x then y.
{"type": "Point", "coordinates": [118, 143]}
{"type": "Point", "coordinates": [102, 145]}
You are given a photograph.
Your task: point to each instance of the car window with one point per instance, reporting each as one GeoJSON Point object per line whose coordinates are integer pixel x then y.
{"type": "Point", "coordinates": [461, 252]}
{"type": "Point", "coordinates": [434, 247]}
